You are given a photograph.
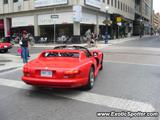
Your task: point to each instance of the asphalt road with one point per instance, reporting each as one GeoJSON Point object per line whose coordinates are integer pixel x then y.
{"type": "Point", "coordinates": [33, 50]}
{"type": "Point", "coordinates": [152, 41]}
{"type": "Point", "coordinates": [129, 82]}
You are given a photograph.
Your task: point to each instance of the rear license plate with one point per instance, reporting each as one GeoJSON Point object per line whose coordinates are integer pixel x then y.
{"type": "Point", "coordinates": [5, 46]}
{"type": "Point", "coordinates": [46, 73]}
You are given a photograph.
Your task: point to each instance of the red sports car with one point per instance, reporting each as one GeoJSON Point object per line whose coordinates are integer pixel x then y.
{"type": "Point", "coordinates": [64, 67]}
{"type": "Point", "coordinates": [4, 46]}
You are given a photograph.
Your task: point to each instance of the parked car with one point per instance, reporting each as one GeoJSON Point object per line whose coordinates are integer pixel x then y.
{"type": "Point", "coordinates": [5, 46]}
{"type": "Point", "coordinates": [64, 67]}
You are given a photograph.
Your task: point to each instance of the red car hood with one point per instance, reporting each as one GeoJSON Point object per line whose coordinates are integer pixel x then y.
{"type": "Point", "coordinates": [54, 63]}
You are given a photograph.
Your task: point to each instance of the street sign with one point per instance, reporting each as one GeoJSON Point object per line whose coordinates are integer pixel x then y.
{"type": "Point", "coordinates": [107, 22]}
{"type": "Point", "coordinates": [54, 16]}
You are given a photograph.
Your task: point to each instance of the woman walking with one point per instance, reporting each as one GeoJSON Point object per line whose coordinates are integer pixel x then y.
{"type": "Point", "coordinates": [24, 46]}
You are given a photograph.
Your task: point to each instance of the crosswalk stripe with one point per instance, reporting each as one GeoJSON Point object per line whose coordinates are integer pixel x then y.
{"type": "Point", "coordinates": [92, 98]}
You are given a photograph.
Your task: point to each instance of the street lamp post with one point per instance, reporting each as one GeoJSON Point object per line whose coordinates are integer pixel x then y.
{"type": "Point", "coordinates": [106, 33]}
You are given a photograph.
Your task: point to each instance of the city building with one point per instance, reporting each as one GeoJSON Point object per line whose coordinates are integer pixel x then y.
{"type": "Point", "coordinates": [69, 17]}
{"type": "Point", "coordinates": [156, 22]}
{"type": "Point", "coordinates": [143, 17]}
{"type": "Point", "coordinates": [122, 14]}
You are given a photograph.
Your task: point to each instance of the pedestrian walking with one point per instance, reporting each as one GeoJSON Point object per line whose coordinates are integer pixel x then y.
{"type": "Point", "coordinates": [88, 36]}
{"type": "Point", "coordinates": [106, 38]}
{"type": "Point", "coordinates": [24, 46]}
{"type": "Point", "coordinates": [93, 39]}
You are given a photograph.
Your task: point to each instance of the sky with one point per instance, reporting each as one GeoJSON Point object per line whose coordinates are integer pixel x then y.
{"type": "Point", "coordinates": [156, 5]}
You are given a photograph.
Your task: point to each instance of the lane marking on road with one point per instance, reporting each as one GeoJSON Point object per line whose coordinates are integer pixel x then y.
{"type": "Point", "coordinates": [131, 63]}
{"type": "Point", "coordinates": [92, 98]}
{"type": "Point", "coordinates": [4, 71]}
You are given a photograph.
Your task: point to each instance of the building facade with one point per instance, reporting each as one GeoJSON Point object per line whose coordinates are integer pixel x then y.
{"type": "Point", "coordinates": [70, 17]}
{"type": "Point", "coordinates": [156, 22]}
{"type": "Point", "coordinates": [143, 16]}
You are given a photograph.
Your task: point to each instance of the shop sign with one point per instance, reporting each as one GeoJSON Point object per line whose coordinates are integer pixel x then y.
{"type": "Point", "coordinates": [119, 19]}
{"type": "Point", "coordinates": [23, 21]}
{"type": "Point", "coordinates": [77, 13]}
{"type": "Point", "coordinates": [94, 3]}
{"type": "Point", "coordinates": [49, 19]}
{"type": "Point", "coordinates": [119, 23]}
{"type": "Point", "coordinates": [43, 3]}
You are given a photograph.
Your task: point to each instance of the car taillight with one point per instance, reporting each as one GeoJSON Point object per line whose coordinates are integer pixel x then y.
{"type": "Point", "coordinates": [25, 69]}
{"type": "Point", "coordinates": [71, 73]}
{"type": "Point", "coordinates": [27, 74]}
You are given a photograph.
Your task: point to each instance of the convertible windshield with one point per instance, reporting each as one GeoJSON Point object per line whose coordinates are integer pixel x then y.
{"type": "Point", "coordinates": [62, 54]}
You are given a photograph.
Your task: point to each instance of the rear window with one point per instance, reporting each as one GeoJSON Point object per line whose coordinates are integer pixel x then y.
{"type": "Point", "coordinates": [62, 54]}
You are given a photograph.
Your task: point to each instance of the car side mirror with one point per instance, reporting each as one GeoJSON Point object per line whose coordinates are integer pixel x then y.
{"type": "Point", "coordinates": [95, 54]}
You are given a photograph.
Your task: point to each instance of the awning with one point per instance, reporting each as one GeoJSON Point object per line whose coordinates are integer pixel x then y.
{"type": "Point", "coordinates": [23, 21]}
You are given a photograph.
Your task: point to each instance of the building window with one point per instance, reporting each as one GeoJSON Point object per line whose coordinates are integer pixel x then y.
{"type": "Point", "coordinates": [126, 8]}
{"type": "Point", "coordinates": [118, 4]}
{"type": "Point", "coordinates": [103, 1]}
{"type": "Point", "coordinates": [108, 2]}
{"type": "Point", "coordinates": [15, 0]}
{"type": "Point", "coordinates": [121, 6]}
{"type": "Point", "coordinates": [111, 2]}
{"type": "Point", "coordinates": [115, 3]}
{"type": "Point", "coordinates": [5, 1]}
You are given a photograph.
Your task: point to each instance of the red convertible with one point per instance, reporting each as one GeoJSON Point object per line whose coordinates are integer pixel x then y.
{"type": "Point", "coordinates": [64, 67]}
{"type": "Point", "coordinates": [4, 46]}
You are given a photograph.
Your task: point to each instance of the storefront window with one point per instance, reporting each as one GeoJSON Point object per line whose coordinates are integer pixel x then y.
{"type": "Point", "coordinates": [15, 0]}
{"type": "Point", "coordinates": [5, 1]}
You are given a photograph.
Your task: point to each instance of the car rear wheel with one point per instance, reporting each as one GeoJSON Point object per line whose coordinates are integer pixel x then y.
{"type": "Point", "coordinates": [91, 80]}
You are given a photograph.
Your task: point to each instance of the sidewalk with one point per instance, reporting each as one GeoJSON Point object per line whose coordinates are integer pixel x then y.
{"type": "Point", "coordinates": [99, 45]}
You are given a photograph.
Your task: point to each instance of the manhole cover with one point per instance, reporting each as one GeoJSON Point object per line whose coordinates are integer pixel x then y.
{"type": "Point", "coordinates": [5, 60]}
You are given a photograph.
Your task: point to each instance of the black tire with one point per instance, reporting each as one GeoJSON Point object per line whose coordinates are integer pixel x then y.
{"type": "Point", "coordinates": [5, 51]}
{"type": "Point", "coordinates": [91, 80]}
{"type": "Point", "coordinates": [101, 64]}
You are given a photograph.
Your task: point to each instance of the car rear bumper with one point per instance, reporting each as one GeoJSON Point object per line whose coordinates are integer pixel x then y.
{"type": "Point", "coordinates": [56, 83]}
{"type": "Point", "coordinates": [3, 48]}
{"type": "Point", "coordinates": [6, 48]}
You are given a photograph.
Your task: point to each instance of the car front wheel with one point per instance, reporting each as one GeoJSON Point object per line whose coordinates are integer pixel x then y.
{"type": "Point", "coordinates": [91, 80]}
